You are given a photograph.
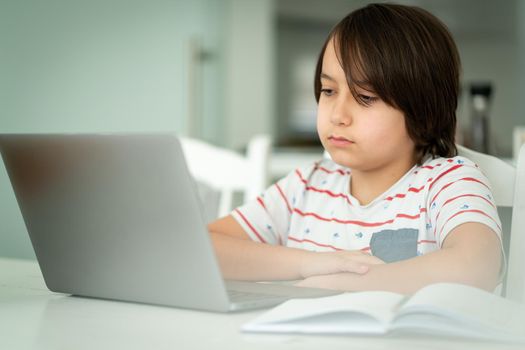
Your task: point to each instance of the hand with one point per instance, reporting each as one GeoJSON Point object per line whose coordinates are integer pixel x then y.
{"type": "Point", "coordinates": [335, 282]}
{"type": "Point", "coordinates": [326, 263]}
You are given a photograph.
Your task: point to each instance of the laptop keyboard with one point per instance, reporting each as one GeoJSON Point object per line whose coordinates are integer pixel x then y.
{"type": "Point", "coordinates": [241, 296]}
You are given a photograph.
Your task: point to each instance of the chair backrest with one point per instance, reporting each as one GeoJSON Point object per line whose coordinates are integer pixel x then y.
{"type": "Point", "coordinates": [516, 267]}
{"type": "Point", "coordinates": [227, 171]}
{"type": "Point", "coordinates": [508, 188]}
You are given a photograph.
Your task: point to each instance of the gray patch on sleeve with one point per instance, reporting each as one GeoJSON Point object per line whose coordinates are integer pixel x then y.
{"type": "Point", "coordinates": [394, 245]}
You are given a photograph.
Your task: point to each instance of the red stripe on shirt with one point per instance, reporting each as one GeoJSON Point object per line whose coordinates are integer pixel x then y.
{"type": "Point", "coordinates": [315, 189]}
{"type": "Point", "coordinates": [453, 182]}
{"type": "Point", "coordinates": [259, 199]}
{"type": "Point", "coordinates": [250, 226]}
{"type": "Point", "coordinates": [457, 197]}
{"type": "Point", "coordinates": [410, 189]}
{"type": "Point", "coordinates": [313, 242]}
{"type": "Point", "coordinates": [403, 195]}
{"type": "Point", "coordinates": [433, 166]}
{"type": "Point", "coordinates": [426, 241]}
{"type": "Point", "coordinates": [331, 194]}
{"type": "Point", "coordinates": [303, 180]}
{"type": "Point", "coordinates": [468, 211]}
{"type": "Point", "coordinates": [360, 223]}
{"type": "Point", "coordinates": [335, 248]}
{"type": "Point", "coordinates": [417, 190]}
{"type": "Point", "coordinates": [339, 171]}
{"type": "Point", "coordinates": [468, 195]}
{"type": "Point", "coordinates": [455, 167]}
{"type": "Point", "coordinates": [284, 197]}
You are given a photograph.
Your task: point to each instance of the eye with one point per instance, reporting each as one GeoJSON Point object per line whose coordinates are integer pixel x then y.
{"type": "Point", "coordinates": [367, 100]}
{"type": "Point", "coordinates": [327, 92]}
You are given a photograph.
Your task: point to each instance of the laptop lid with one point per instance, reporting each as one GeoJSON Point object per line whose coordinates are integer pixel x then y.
{"type": "Point", "coordinates": [115, 216]}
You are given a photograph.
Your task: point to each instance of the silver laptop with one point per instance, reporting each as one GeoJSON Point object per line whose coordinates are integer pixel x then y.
{"type": "Point", "coordinates": [118, 217]}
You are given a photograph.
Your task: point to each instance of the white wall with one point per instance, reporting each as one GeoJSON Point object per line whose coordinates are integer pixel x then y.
{"type": "Point", "coordinates": [250, 70]}
{"type": "Point", "coordinates": [103, 66]}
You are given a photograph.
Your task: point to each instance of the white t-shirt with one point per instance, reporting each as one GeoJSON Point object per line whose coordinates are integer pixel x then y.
{"type": "Point", "coordinates": [312, 208]}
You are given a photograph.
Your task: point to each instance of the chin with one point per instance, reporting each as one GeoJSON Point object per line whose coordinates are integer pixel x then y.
{"type": "Point", "coordinates": [342, 160]}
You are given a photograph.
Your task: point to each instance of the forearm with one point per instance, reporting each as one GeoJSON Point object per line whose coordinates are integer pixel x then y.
{"type": "Point", "coordinates": [410, 275]}
{"type": "Point", "coordinates": [471, 254]}
{"type": "Point", "coordinates": [444, 265]}
{"type": "Point", "coordinates": [242, 259]}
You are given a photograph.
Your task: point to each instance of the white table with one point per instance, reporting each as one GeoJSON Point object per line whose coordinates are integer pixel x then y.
{"type": "Point", "coordinates": [31, 317]}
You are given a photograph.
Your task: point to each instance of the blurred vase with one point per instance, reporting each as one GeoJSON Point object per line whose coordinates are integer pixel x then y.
{"type": "Point", "coordinates": [480, 94]}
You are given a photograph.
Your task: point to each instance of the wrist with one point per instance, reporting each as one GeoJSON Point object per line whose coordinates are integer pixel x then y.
{"type": "Point", "coordinates": [306, 259]}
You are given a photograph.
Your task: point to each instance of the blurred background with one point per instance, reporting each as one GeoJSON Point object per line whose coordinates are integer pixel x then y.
{"type": "Point", "coordinates": [220, 70]}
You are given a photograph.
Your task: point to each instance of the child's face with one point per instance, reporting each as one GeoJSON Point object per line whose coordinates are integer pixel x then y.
{"type": "Point", "coordinates": [362, 137]}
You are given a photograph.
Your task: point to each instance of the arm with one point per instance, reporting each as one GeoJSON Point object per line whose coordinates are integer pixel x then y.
{"type": "Point", "coordinates": [240, 258]}
{"type": "Point", "coordinates": [471, 254]}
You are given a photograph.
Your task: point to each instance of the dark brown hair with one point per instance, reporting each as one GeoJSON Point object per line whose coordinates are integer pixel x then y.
{"type": "Point", "coordinates": [408, 58]}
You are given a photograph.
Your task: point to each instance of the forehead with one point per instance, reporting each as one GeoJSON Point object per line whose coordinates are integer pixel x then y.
{"type": "Point", "coordinates": [332, 67]}
{"type": "Point", "coordinates": [344, 63]}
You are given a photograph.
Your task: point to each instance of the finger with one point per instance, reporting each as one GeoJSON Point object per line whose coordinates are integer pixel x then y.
{"type": "Point", "coordinates": [366, 259]}
{"type": "Point", "coordinates": [309, 282]}
{"type": "Point", "coordinates": [355, 267]}
{"type": "Point", "coordinates": [303, 283]}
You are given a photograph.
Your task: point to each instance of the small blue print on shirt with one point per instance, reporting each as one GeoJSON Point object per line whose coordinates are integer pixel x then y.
{"type": "Point", "coordinates": [429, 226]}
{"type": "Point", "coordinates": [336, 235]}
{"type": "Point", "coordinates": [433, 205]}
{"type": "Point", "coordinates": [464, 206]}
{"type": "Point", "coordinates": [307, 231]}
{"type": "Point", "coordinates": [359, 235]}
{"type": "Point", "coordinates": [459, 161]}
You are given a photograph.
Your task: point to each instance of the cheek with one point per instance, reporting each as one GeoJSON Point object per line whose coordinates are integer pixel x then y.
{"type": "Point", "coordinates": [386, 122]}
{"type": "Point", "coordinates": [376, 129]}
{"type": "Point", "coordinates": [321, 118]}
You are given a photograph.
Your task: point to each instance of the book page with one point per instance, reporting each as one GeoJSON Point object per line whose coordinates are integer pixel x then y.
{"type": "Point", "coordinates": [363, 312]}
{"type": "Point", "coordinates": [467, 307]}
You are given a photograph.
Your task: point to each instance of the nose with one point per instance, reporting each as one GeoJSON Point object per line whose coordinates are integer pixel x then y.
{"type": "Point", "coordinates": [341, 113]}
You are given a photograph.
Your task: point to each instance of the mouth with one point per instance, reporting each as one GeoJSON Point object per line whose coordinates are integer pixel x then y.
{"type": "Point", "coordinates": [339, 140]}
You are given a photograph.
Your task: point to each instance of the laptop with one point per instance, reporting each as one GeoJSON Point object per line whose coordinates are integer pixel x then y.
{"type": "Point", "coordinates": [118, 217]}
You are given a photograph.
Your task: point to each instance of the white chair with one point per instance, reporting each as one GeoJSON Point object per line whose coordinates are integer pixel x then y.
{"type": "Point", "coordinates": [227, 171]}
{"type": "Point", "coordinates": [508, 186]}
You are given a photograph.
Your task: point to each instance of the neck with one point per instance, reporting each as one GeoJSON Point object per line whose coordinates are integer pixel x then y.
{"type": "Point", "coordinates": [367, 185]}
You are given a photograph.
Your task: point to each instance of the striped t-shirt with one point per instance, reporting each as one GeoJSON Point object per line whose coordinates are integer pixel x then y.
{"type": "Point", "coordinates": [312, 208]}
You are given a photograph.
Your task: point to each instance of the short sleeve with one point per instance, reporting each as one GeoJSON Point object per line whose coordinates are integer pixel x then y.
{"type": "Point", "coordinates": [461, 193]}
{"type": "Point", "coordinates": [267, 218]}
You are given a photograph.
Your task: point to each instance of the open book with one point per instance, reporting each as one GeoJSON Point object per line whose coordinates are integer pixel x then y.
{"type": "Point", "coordinates": [439, 309]}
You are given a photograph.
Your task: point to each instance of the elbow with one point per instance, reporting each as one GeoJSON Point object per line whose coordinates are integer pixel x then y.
{"type": "Point", "coordinates": [482, 272]}
{"type": "Point", "coordinates": [476, 256]}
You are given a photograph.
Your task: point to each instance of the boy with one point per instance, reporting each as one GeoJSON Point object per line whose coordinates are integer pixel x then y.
{"type": "Point", "coordinates": [395, 208]}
